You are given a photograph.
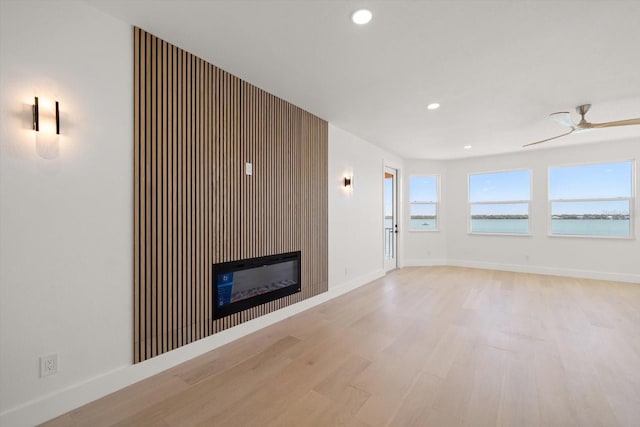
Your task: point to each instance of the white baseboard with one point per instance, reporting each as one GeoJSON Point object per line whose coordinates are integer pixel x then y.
{"type": "Point", "coordinates": [426, 262]}
{"type": "Point", "coordinates": [343, 288]}
{"type": "Point", "coordinates": [534, 269]}
{"type": "Point", "coordinates": [553, 271]}
{"type": "Point", "coordinates": [65, 400]}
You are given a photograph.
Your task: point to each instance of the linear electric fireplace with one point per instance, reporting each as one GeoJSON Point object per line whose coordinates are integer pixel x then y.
{"type": "Point", "coordinates": [240, 285]}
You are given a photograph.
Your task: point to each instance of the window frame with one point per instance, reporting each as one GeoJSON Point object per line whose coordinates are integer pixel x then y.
{"type": "Point", "coordinates": [425, 202]}
{"type": "Point", "coordinates": [631, 199]}
{"type": "Point", "coordinates": [505, 202]}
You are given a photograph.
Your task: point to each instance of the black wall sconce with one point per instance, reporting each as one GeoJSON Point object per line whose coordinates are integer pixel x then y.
{"type": "Point", "coordinates": [36, 116]}
{"type": "Point", "coordinates": [348, 182]}
{"type": "Point", "coordinates": [46, 124]}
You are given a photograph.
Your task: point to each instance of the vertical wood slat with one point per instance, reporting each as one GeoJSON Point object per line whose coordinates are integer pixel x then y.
{"type": "Point", "coordinates": [153, 199]}
{"type": "Point", "coordinates": [179, 198]}
{"type": "Point", "coordinates": [171, 198]}
{"type": "Point", "coordinates": [137, 169]}
{"type": "Point", "coordinates": [147, 196]}
{"type": "Point", "coordinates": [195, 126]}
{"type": "Point", "coordinates": [162, 187]}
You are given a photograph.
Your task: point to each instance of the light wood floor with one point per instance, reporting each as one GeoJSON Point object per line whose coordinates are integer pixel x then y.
{"type": "Point", "coordinates": [437, 346]}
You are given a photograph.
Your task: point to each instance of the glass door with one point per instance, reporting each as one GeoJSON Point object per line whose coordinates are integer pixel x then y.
{"type": "Point", "coordinates": [390, 219]}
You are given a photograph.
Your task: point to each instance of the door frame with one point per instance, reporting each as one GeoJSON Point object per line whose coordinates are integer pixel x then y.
{"type": "Point", "coordinates": [392, 263]}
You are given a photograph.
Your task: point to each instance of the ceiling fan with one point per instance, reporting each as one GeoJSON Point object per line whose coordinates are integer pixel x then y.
{"type": "Point", "coordinates": [564, 118]}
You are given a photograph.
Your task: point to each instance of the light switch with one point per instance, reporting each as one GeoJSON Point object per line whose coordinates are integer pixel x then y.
{"type": "Point", "coordinates": [248, 168]}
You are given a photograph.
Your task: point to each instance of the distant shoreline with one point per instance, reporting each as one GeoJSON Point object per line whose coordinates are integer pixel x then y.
{"type": "Point", "coordinates": [558, 217]}
{"type": "Point", "coordinates": [623, 217]}
{"type": "Point", "coordinates": [592, 216]}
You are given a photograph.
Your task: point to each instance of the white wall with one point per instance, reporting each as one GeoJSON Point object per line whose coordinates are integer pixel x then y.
{"type": "Point", "coordinates": [66, 224]}
{"type": "Point", "coordinates": [356, 222]}
{"type": "Point", "coordinates": [612, 259]}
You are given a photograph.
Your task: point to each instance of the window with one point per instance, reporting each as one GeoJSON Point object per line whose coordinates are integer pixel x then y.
{"type": "Point", "coordinates": [423, 196]}
{"type": "Point", "coordinates": [499, 202]}
{"type": "Point", "coordinates": [591, 200]}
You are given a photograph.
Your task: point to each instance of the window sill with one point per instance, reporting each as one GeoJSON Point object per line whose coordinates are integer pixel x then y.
{"type": "Point", "coordinates": [501, 234]}
{"type": "Point", "coordinates": [591, 236]}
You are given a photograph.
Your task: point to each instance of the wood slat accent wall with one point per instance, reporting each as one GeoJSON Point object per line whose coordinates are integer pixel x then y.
{"type": "Point", "coordinates": [195, 127]}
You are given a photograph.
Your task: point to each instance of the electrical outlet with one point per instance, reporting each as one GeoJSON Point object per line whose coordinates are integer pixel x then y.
{"type": "Point", "coordinates": [48, 365]}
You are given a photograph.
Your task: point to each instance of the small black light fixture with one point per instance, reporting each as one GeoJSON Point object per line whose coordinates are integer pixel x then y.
{"type": "Point", "coordinates": [36, 116]}
{"type": "Point", "coordinates": [46, 124]}
{"type": "Point", "coordinates": [348, 181]}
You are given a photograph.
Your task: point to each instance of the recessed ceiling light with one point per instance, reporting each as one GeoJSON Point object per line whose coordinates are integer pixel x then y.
{"type": "Point", "coordinates": [467, 147]}
{"type": "Point", "coordinates": [361, 17]}
{"type": "Point", "coordinates": [433, 106]}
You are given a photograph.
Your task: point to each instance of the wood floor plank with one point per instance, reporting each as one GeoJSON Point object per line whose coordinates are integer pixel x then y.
{"type": "Point", "coordinates": [423, 346]}
{"type": "Point", "coordinates": [128, 402]}
{"type": "Point", "coordinates": [303, 412]}
{"type": "Point", "coordinates": [519, 401]}
{"type": "Point", "coordinates": [417, 403]}
{"type": "Point", "coordinates": [553, 394]}
{"type": "Point", "coordinates": [452, 401]}
{"type": "Point", "coordinates": [335, 384]}
{"type": "Point", "coordinates": [487, 391]}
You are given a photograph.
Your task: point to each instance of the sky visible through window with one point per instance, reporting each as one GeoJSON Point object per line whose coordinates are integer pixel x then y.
{"type": "Point", "coordinates": [499, 186]}
{"type": "Point", "coordinates": [388, 197]}
{"type": "Point", "coordinates": [507, 186]}
{"type": "Point", "coordinates": [598, 181]}
{"type": "Point", "coordinates": [423, 189]}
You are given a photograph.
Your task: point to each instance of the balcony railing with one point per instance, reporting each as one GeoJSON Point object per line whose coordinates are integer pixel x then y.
{"type": "Point", "coordinates": [389, 235]}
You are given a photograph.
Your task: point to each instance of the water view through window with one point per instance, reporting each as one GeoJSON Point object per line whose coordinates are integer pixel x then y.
{"type": "Point", "coordinates": [499, 202]}
{"type": "Point", "coordinates": [423, 208]}
{"type": "Point", "coordinates": [591, 200]}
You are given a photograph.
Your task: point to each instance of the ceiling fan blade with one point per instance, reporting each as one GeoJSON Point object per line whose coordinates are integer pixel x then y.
{"type": "Point", "coordinates": [549, 139]}
{"type": "Point", "coordinates": [562, 117]}
{"type": "Point", "coordinates": [628, 122]}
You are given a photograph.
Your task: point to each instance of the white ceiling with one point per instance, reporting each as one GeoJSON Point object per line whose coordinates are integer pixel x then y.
{"type": "Point", "coordinates": [497, 67]}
